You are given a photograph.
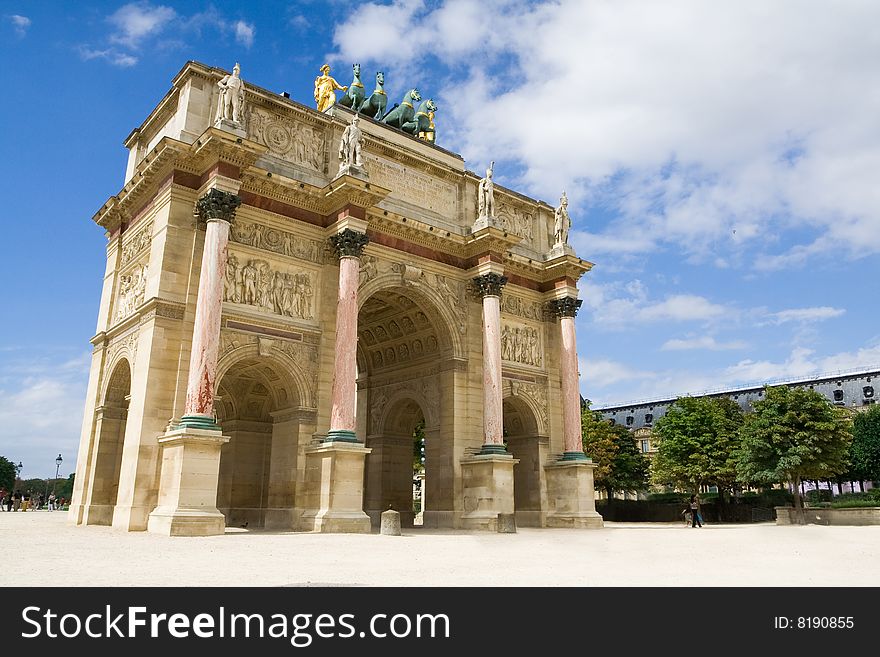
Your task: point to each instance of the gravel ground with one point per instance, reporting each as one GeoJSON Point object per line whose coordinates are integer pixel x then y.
{"type": "Point", "coordinates": [51, 552]}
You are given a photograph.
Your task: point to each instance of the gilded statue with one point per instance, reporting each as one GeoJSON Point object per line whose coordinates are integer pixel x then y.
{"type": "Point", "coordinates": [325, 89]}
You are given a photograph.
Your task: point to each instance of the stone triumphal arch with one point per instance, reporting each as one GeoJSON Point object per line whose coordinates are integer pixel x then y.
{"type": "Point", "coordinates": [290, 293]}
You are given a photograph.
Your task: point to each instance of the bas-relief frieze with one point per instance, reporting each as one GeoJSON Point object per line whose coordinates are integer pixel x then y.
{"type": "Point", "coordinates": [134, 245]}
{"type": "Point", "coordinates": [517, 221]}
{"type": "Point", "coordinates": [256, 283]}
{"type": "Point", "coordinates": [426, 388]}
{"type": "Point", "coordinates": [514, 305]}
{"type": "Point", "coordinates": [288, 140]}
{"type": "Point", "coordinates": [278, 241]}
{"type": "Point", "coordinates": [521, 344]}
{"type": "Point", "coordinates": [131, 289]}
{"type": "Point", "coordinates": [408, 184]}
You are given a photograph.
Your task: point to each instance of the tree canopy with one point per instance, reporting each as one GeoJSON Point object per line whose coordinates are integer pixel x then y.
{"type": "Point", "coordinates": [793, 434]}
{"type": "Point", "coordinates": [619, 464]}
{"type": "Point", "coordinates": [7, 473]}
{"type": "Point", "coordinates": [865, 450]}
{"type": "Point", "coordinates": [696, 443]}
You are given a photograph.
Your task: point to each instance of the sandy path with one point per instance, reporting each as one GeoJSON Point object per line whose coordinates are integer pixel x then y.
{"type": "Point", "coordinates": [50, 552]}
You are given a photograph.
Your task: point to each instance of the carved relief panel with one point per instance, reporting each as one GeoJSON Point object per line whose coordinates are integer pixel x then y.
{"type": "Point", "coordinates": [288, 139]}
{"type": "Point", "coordinates": [278, 241]}
{"type": "Point", "coordinates": [272, 289]}
{"type": "Point", "coordinates": [130, 291]}
{"type": "Point", "coordinates": [521, 344]}
{"type": "Point", "coordinates": [425, 389]}
{"type": "Point", "coordinates": [518, 221]}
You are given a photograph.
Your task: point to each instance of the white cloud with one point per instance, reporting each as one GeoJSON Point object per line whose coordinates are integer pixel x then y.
{"type": "Point", "coordinates": [701, 342]}
{"type": "Point", "coordinates": [614, 306]}
{"type": "Point", "coordinates": [20, 24]}
{"type": "Point", "coordinates": [115, 57]}
{"type": "Point", "coordinates": [244, 33]}
{"type": "Point", "coordinates": [816, 314]}
{"type": "Point", "coordinates": [603, 372]}
{"type": "Point", "coordinates": [41, 410]}
{"type": "Point", "coordinates": [138, 20]}
{"type": "Point", "coordinates": [666, 113]}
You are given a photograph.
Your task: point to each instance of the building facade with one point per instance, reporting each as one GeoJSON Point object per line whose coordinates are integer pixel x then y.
{"type": "Point", "coordinates": [288, 293]}
{"type": "Point", "coordinates": [852, 389]}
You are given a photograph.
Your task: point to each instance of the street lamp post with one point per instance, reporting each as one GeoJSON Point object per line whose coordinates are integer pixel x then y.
{"type": "Point", "coordinates": [58, 462]}
{"type": "Point", "coordinates": [17, 473]}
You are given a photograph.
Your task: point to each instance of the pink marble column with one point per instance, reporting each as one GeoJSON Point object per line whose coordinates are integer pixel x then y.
{"type": "Point", "coordinates": [349, 245]}
{"type": "Point", "coordinates": [217, 208]}
{"type": "Point", "coordinates": [489, 286]}
{"type": "Point", "coordinates": [566, 309]}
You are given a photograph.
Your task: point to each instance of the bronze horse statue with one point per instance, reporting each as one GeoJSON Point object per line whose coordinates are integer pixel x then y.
{"type": "Point", "coordinates": [354, 97]}
{"type": "Point", "coordinates": [421, 121]}
{"type": "Point", "coordinates": [404, 112]}
{"type": "Point", "coordinates": [374, 105]}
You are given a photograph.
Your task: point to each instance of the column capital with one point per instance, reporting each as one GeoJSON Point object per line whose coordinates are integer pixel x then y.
{"type": "Point", "coordinates": [349, 243]}
{"type": "Point", "coordinates": [565, 307]}
{"type": "Point", "coordinates": [489, 285]}
{"type": "Point", "coordinates": [218, 205]}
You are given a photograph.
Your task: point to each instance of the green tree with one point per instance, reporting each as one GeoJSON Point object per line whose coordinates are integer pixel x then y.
{"type": "Point", "coordinates": [865, 450]}
{"type": "Point", "coordinates": [7, 473]}
{"type": "Point", "coordinates": [696, 443]}
{"type": "Point", "coordinates": [793, 434]}
{"type": "Point", "coordinates": [630, 468]}
{"type": "Point", "coordinates": [619, 463]}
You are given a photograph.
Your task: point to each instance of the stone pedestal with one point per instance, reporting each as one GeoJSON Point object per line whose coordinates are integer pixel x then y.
{"type": "Point", "coordinates": [484, 221]}
{"type": "Point", "coordinates": [188, 484]}
{"type": "Point", "coordinates": [570, 494]}
{"type": "Point", "coordinates": [560, 250]}
{"type": "Point", "coordinates": [353, 170]}
{"type": "Point", "coordinates": [334, 479]}
{"type": "Point", "coordinates": [231, 126]}
{"type": "Point", "coordinates": [487, 490]}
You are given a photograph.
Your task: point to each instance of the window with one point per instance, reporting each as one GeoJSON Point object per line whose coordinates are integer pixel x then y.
{"type": "Point", "coordinates": [868, 392]}
{"type": "Point", "coordinates": [838, 395]}
{"type": "Point", "coordinates": [629, 420]}
{"type": "Point", "coordinates": [649, 417]}
{"type": "Point", "coordinates": [646, 446]}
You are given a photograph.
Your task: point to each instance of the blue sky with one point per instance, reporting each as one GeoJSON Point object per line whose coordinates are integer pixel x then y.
{"type": "Point", "coordinates": [721, 160]}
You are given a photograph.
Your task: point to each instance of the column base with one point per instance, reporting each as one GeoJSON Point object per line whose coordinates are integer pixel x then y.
{"type": "Point", "coordinates": [188, 484]}
{"type": "Point", "coordinates": [186, 522]}
{"type": "Point", "coordinates": [204, 422]}
{"type": "Point", "coordinates": [492, 448]}
{"type": "Point", "coordinates": [341, 436]}
{"type": "Point", "coordinates": [570, 494]}
{"type": "Point", "coordinates": [334, 481]}
{"type": "Point", "coordinates": [487, 489]}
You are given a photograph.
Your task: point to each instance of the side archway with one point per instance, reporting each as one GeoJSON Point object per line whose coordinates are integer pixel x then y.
{"type": "Point", "coordinates": [110, 423]}
{"type": "Point", "coordinates": [525, 442]}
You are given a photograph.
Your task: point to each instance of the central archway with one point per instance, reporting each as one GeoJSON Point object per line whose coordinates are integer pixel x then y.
{"type": "Point", "coordinates": [521, 433]}
{"type": "Point", "coordinates": [404, 339]}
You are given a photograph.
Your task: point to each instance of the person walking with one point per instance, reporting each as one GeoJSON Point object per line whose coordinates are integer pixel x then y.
{"type": "Point", "coordinates": [51, 501]}
{"type": "Point", "coordinates": [694, 506]}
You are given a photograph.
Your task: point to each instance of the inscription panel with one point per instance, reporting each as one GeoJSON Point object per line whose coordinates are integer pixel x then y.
{"type": "Point", "coordinates": [413, 186]}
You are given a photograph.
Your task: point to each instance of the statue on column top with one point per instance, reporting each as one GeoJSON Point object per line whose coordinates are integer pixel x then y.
{"type": "Point", "coordinates": [231, 105]}
{"type": "Point", "coordinates": [562, 223]}
{"type": "Point", "coordinates": [486, 194]}
{"type": "Point", "coordinates": [351, 144]}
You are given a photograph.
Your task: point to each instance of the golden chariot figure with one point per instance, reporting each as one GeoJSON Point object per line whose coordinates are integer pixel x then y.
{"type": "Point", "coordinates": [325, 89]}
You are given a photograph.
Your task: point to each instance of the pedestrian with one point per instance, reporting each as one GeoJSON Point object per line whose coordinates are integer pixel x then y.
{"type": "Point", "coordinates": [8, 501]}
{"type": "Point", "coordinates": [694, 506]}
{"type": "Point", "coordinates": [51, 501]}
{"type": "Point", "coordinates": [16, 501]}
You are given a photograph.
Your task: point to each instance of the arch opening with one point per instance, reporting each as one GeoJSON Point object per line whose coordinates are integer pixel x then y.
{"type": "Point", "coordinates": [402, 339]}
{"type": "Point", "coordinates": [524, 443]}
{"type": "Point", "coordinates": [111, 420]}
{"type": "Point", "coordinates": [257, 407]}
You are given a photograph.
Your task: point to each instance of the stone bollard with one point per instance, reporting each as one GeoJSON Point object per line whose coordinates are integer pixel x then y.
{"type": "Point", "coordinates": [390, 523]}
{"type": "Point", "coordinates": [506, 523]}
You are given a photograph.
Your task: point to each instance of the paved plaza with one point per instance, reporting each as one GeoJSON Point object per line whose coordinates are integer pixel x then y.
{"type": "Point", "coordinates": [51, 552]}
